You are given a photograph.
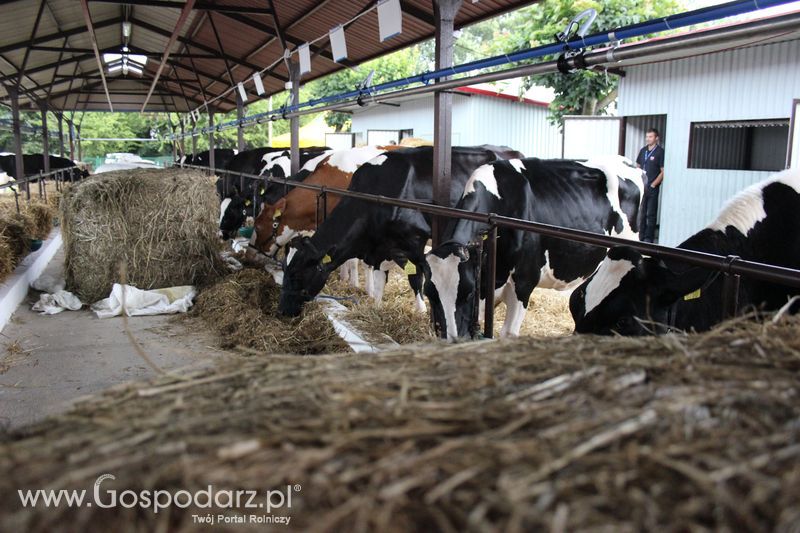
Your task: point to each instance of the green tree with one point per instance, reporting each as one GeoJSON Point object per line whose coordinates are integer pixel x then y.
{"type": "Point", "coordinates": [585, 92]}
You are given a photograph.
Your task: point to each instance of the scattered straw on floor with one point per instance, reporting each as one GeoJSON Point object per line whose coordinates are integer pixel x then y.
{"type": "Point", "coordinates": [395, 319]}
{"type": "Point", "coordinates": [242, 309]}
{"type": "Point", "coordinates": [680, 433]}
{"type": "Point", "coordinates": [548, 315]}
{"type": "Point", "coordinates": [548, 312]}
{"type": "Point", "coordinates": [161, 224]}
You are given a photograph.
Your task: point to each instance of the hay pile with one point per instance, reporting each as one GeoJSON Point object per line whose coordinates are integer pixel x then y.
{"type": "Point", "coordinates": [160, 224]}
{"type": "Point", "coordinates": [396, 319]}
{"type": "Point", "coordinates": [681, 433]}
{"type": "Point", "coordinates": [548, 315]}
{"type": "Point", "coordinates": [34, 221]}
{"type": "Point", "coordinates": [242, 309]}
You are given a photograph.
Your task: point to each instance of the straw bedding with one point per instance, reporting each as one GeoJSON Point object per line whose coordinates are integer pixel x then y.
{"type": "Point", "coordinates": [159, 224]}
{"type": "Point", "coordinates": [242, 309]}
{"type": "Point", "coordinates": [396, 318]}
{"type": "Point", "coordinates": [698, 432]}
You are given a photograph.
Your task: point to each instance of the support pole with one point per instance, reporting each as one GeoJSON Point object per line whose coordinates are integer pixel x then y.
{"type": "Point", "coordinates": [60, 134]}
{"type": "Point", "coordinates": [182, 143]}
{"type": "Point", "coordinates": [294, 122]}
{"type": "Point", "coordinates": [491, 273]}
{"type": "Point", "coordinates": [19, 161]}
{"type": "Point", "coordinates": [445, 12]}
{"type": "Point", "coordinates": [71, 132]}
{"type": "Point", "coordinates": [194, 142]}
{"type": "Point", "coordinates": [45, 140]}
{"type": "Point", "coordinates": [239, 128]}
{"type": "Point", "coordinates": [211, 161]}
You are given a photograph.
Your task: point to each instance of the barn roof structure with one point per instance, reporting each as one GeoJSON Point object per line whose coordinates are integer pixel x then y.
{"type": "Point", "coordinates": [57, 49]}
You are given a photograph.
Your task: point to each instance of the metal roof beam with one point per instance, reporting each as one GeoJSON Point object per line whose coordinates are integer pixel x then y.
{"type": "Point", "coordinates": [199, 6]}
{"type": "Point", "coordinates": [187, 9]}
{"type": "Point", "coordinates": [59, 35]}
{"type": "Point", "coordinates": [199, 46]}
{"type": "Point", "coordinates": [116, 50]}
{"type": "Point", "coordinates": [43, 68]}
{"type": "Point", "coordinates": [88, 18]}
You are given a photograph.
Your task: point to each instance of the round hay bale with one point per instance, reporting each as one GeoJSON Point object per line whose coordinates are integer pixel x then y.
{"type": "Point", "coordinates": [160, 225]}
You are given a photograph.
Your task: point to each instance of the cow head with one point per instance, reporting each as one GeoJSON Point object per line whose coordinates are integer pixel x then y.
{"type": "Point", "coordinates": [630, 294]}
{"type": "Point", "coordinates": [306, 270]}
{"type": "Point", "coordinates": [450, 285]}
{"type": "Point", "coordinates": [269, 233]}
{"type": "Point", "coordinates": [232, 215]}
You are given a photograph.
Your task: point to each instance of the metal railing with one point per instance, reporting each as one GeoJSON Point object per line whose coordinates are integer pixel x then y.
{"type": "Point", "coordinates": [731, 266]}
{"type": "Point", "coordinates": [41, 178]}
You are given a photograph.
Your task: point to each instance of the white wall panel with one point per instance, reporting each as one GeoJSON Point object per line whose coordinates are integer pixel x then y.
{"type": "Point", "coordinates": [758, 82]}
{"type": "Point", "coordinates": [477, 120]}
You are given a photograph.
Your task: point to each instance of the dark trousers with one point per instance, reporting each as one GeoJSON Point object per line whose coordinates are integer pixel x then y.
{"type": "Point", "coordinates": [647, 232]}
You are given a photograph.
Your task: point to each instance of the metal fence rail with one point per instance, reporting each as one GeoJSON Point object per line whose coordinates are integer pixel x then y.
{"type": "Point", "coordinates": [731, 266]}
{"type": "Point", "coordinates": [40, 178]}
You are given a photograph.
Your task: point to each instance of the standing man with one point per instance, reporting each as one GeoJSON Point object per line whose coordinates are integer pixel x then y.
{"type": "Point", "coordinates": [651, 159]}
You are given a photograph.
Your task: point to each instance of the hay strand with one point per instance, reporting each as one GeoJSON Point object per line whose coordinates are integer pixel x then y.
{"type": "Point", "coordinates": [681, 432]}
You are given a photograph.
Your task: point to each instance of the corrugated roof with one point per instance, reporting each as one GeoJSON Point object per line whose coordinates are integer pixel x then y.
{"type": "Point", "coordinates": [60, 64]}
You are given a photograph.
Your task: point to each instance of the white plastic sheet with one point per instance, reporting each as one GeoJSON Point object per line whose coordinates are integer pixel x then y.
{"type": "Point", "coordinates": [137, 302]}
{"type": "Point", "coordinates": [52, 304]}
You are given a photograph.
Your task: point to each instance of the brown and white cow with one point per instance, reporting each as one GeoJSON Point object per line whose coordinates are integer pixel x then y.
{"type": "Point", "coordinates": [296, 213]}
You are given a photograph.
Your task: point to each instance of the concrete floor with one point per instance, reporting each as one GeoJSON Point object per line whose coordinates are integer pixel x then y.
{"type": "Point", "coordinates": [47, 362]}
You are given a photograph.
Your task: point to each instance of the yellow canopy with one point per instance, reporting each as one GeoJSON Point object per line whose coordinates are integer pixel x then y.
{"type": "Point", "coordinates": [312, 134]}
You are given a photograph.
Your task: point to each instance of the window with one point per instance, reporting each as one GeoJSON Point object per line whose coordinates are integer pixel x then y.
{"type": "Point", "coordinates": [739, 145]}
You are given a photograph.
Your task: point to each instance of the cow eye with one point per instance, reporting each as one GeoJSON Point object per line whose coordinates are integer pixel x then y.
{"type": "Point", "coordinates": [275, 225]}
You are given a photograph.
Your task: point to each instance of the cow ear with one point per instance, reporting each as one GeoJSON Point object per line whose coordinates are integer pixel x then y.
{"type": "Point", "coordinates": [327, 258]}
{"type": "Point", "coordinates": [280, 205]}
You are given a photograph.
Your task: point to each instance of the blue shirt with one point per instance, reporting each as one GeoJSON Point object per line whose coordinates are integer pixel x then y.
{"type": "Point", "coordinates": [652, 161]}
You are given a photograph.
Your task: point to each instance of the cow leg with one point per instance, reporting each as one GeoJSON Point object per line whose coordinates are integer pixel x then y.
{"type": "Point", "coordinates": [416, 280]}
{"type": "Point", "coordinates": [379, 278]}
{"type": "Point", "coordinates": [348, 272]}
{"type": "Point", "coordinates": [369, 282]}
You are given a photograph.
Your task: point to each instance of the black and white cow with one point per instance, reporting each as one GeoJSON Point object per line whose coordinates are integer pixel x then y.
{"type": "Point", "coordinates": [34, 163]}
{"type": "Point", "coordinates": [222, 157]}
{"type": "Point", "coordinates": [278, 164]}
{"type": "Point", "coordinates": [375, 233]}
{"type": "Point", "coordinates": [601, 196]}
{"type": "Point", "coordinates": [242, 197]}
{"type": "Point", "coordinates": [632, 295]}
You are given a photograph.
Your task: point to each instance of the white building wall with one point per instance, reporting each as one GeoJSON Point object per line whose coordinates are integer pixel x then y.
{"type": "Point", "coordinates": [477, 120]}
{"type": "Point", "coordinates": [751, 83]}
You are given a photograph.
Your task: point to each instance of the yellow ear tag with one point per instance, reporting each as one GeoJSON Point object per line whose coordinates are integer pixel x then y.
{"type": "Point", "coordinates": [247, 202]}
{"type": "Point", "coordinates": [327, 259]}
{"type": "Point", "coordinates": [261, 191]}
{"type": "Point", "coordinates": [485, 237]}
{"type": "Point", "coordinates": [277, 213]}
{"type": "Point", "coordinates": [410, 268]}
{"type": "Point", "coordinates": [692, 295]}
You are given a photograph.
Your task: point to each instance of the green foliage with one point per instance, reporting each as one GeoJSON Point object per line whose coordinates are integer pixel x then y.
{"type": "Point", "coordinates": [583, 92]}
